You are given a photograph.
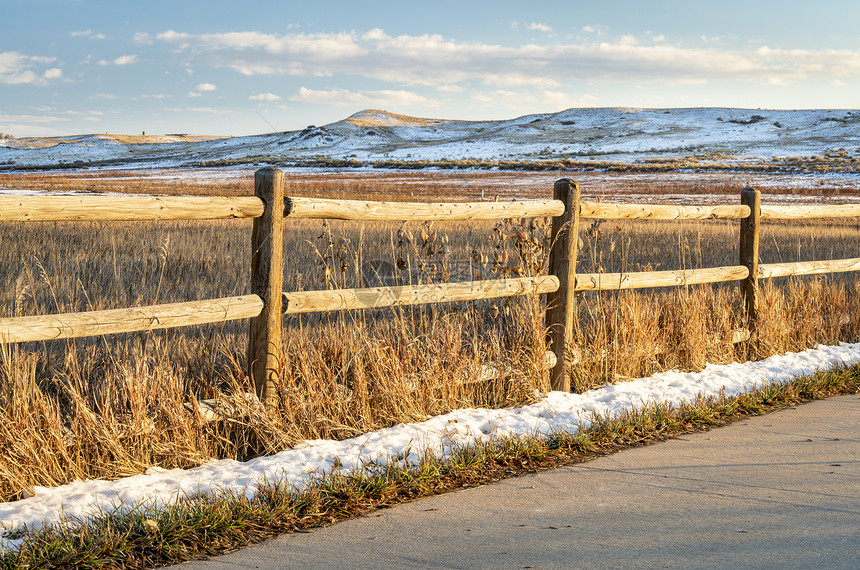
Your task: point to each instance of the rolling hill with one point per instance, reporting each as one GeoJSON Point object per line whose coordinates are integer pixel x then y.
{"type": "Point", "coordinates": [619, 135]}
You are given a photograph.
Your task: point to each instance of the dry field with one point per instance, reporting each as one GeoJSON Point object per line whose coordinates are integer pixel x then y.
{"type": "Point", "coordinates": [113, 406]}
{"type": "Point", "coordinates": [448, 185]}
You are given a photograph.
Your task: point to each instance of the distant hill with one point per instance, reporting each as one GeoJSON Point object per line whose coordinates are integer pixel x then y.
{"type": "Point", "coordinates": [619, 135]}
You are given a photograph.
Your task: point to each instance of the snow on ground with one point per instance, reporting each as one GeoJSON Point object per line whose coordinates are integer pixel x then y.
{"type": "Point", "coordinates": [835, 188]}
{"type": "Point", "coordinates": [556, 412]}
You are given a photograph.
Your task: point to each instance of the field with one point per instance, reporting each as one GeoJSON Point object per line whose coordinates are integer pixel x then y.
{"type": "Point", "coordinates": [108, 407]}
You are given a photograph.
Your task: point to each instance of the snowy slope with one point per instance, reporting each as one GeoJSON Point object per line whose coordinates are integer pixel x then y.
{"type": "Point", "coordinates": [617, 134]}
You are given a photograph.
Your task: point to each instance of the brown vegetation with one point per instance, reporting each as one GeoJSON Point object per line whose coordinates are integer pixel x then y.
{"type": "Point", "coordinates": [836, 161]}
{"type": "Point", "coordinates": [107, 407]}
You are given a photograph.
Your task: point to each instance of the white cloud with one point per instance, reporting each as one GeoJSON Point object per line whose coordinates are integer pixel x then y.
{"type": "Point", "coordinates": [561, 100]}
{"type": "Point", "coordinates": [88, 34]}
{"type": "Point", "coordinates": [205, 87]}
{"type": "Point", "coordinates": [89, 115]}
{"type": "Point", "coordinates": [526, 102]}
{"type": "Point", "coordinates": [374, 34]}
{"type": "Point", "coordinates": [209, 110]}
{"type": "Point", "coordinates": [143, 38]}
{"type": "Point", "coordinates": [346, 98]}
{"type": "Point", "coordinates": [170, 36]}
{"type": "Point", "coordinates": [321, 47]}
{"type": "Point", "coordinates": [155, 96]}
{"type": "Point", "coordinates": [596, 29]}
{"type": "Point", "coordinates": [518, 80]}
{"type": "Point", "coordinates": [446, 64]}
{"type": "Point", "coordinates": [31, 118]}
{"type": "Point", "coordinates": [538, 27]}
{"type": "Point", "coordinates": [125, 60]}
{"type": "Point", "coordinates": [264, 97]}
{"type": "Point", "coordinates": [194, 94]}
{"type": "Point", "coordinates": [20, 69]}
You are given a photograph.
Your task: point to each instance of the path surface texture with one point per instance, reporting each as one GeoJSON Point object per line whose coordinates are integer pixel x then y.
{"type": "Point", "coordinates": [780, 491]}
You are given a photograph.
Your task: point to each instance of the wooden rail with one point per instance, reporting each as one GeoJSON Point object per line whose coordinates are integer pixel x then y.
{"type": "Point", "coordinates": [320, 208]}
{"type": "Point", "coordinates": [642, 279]}
{"type": "Point", "coordinates": [808, 267]}
{"type": "Point", "coordinates": [809, 212]}
{"type": "Point", "coordinates": [126, 208]}
{"type": "Point", "coordinates": [376, 297]}
{"type": "Point", "coordinates": [604, 211]}
{"type": "Point", "coordinates": [112, 321]}
{"type": "Point", "coordinates": [152, 317]}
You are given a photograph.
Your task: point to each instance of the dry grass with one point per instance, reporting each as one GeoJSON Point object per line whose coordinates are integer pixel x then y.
{"type": "Point", "coordinates": [547, 161]}
{"type": "Point", "coordinates": [107, 407]}
{"type": "Point", "coordinates": [208, 525]}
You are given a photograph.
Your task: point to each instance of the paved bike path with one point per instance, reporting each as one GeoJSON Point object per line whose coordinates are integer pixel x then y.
{"type": "Point", "coordinates": [781, 490]}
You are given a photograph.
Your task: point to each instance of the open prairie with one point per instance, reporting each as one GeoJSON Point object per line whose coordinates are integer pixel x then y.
{"type": "Point", "coordinates": [113, 406]}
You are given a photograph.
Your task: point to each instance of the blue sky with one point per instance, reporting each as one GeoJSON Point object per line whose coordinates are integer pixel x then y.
{"type": "Point", "coordinates": [233, 68]}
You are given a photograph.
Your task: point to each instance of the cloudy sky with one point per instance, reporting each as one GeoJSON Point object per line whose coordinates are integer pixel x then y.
{"type": "Point", "coordinates": [243, 67]}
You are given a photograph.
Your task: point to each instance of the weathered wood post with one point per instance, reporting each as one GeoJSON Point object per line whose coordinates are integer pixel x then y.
{"type": "Point", "coordinates": [561, 305]}
{"type": "Point", "coordinates": [267, 249]}
{"type": "Point", "coordinates": [749, 258]}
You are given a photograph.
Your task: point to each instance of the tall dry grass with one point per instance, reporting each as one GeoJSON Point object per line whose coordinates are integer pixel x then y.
{"type": "Point", "coordinates": [113, 406]}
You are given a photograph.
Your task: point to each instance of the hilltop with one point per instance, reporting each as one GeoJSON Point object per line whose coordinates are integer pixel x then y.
{"type": "Point", "coordinates": [380, 118]}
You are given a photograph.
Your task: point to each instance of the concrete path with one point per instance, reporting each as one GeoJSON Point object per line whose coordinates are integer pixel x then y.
{"type": "Point", "coordinates": [781, 491]}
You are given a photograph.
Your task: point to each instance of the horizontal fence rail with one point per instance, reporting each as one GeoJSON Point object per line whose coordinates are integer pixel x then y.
{"type": "Point", "coordinates": [377, 297]}
{"type": "Point", "coordinates": [152, 317]}
{"type": "Point", "coordinates": [126, 208]}
{"type": "Point", "coordinates": [603, 211]}
{"type": "Point", "coordinates": [808, 267]}
{"type": "Point", "coordinates": [319, 208]}
{"type": "Point", "coordinates": [810, 212]}
{"type": "Point", "coordinates": [642, 279]}
{"type": "Point", "coordinates": [112, 321]}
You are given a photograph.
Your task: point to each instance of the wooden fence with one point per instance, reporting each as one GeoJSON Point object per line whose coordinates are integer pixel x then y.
{"type": "Point", "coordinates": [267, 302]}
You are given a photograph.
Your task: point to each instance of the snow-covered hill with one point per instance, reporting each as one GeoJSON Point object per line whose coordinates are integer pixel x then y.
{"type": "Point", "coordinates": [616, 134]}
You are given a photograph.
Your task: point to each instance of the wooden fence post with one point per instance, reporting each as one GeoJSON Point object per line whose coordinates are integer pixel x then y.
{"type": "Point", "coordinates": [749, 257]}
{"type": "Point", "coordinates": [267, 250]}
{"type": "Point", "coordinates": [561, 305]}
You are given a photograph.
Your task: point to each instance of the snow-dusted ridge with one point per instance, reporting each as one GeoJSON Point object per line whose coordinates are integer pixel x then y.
{"type": "Point", "coordinates": [617, 134]}
{"type": "Point", "coordinates": [556, 412]}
